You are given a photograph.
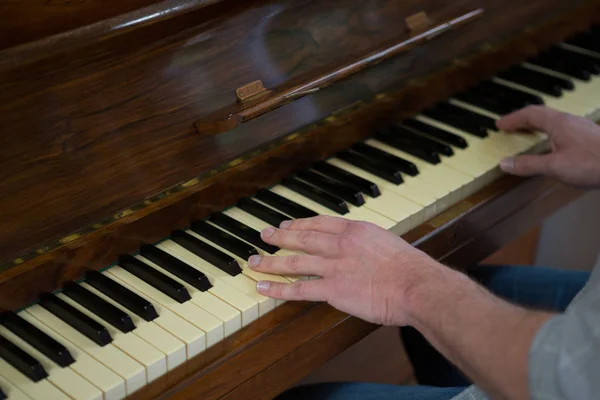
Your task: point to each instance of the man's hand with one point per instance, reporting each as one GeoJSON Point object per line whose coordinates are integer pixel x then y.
{"type": "Point", "coordinates": [365, 271]}
{"type": "Point", "coordinates": [575, 156]}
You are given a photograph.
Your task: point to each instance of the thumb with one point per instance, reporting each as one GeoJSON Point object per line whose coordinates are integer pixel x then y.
{"type": "Point", "coordinates": [526, 165]}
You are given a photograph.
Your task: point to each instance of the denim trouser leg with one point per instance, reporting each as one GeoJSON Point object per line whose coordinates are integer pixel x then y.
{"type": "Point", "coordinates": [534, 287]}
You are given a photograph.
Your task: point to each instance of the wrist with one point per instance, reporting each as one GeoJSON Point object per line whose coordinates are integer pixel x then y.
{"type": "Point", "coordinates": [434, 286]}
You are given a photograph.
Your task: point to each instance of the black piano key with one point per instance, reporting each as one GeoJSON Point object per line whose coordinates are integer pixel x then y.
{"type": "Point", "coordinates": [583, 61]}
{"type": "Point", "coordinates": [367, 187]}
{"type": "Point", "coordinates": [403, 165]}
{"type": "Point", "coordinates": [317, 195]}
{"type": "Point", "coordinates": [586, 40]}
{"type": "Point", "coordinates": [260, 211]}
{"type": "Point", "coordinates": [18, 358]}
{"type": "Point", "coordinates": [403, 144]}
{"type": "Point", "coordinates": [223, 239]}
{"type": "Point", "coordinates": [544, 83]}
{"type": "Point", "coordinates": [243, 231]}
{"type": "Point", "coordinates": [468, 125]}
{"type": "Point", "coordinates": [392, 175]}
{"type": "Point", "coordinates": [335, 188]}
{"type": "Point", "coordinates": [564, 66]}
{"type": "Point", "coordinates": [459, 112]}
{"type": "Point", "coordinates": [434, 132]}
{"type": "Point", "coordinates": [76, 319]}
{"type": "Point", "coordinates": [37, 339]}
{"type": "Point", "coordinates": [155, 278]}
{"type": "Point", "coordinates": [287, 206]}
{"type": "Point", "coordinates": [508, 94]}
{"type": "Point", "coordinates": [223, 261]}
{"type": "Point", "coordinates": [122, 295]}
{"type": "Point", "coordinates": [426, 143]}
{"type": "Point", "coordinates": [100, 307]}
{"type": "Point", "coordinates": [180, 269]}
{"type": "Point", "coordinates": [495, 105]}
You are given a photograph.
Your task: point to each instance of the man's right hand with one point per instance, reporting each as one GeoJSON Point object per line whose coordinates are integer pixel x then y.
{"type": "Point", "coordinates": [575, 155]}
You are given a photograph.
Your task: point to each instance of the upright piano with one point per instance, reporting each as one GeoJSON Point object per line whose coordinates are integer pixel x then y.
{"type": "Point", "coordinates": [144, 144]}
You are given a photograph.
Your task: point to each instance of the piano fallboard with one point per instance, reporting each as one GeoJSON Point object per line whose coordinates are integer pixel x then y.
{"type": "Point", "coordinates": [459, 207]}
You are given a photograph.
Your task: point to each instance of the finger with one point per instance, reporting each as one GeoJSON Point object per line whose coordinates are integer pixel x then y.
{"type": "Point", "coordinates": [531, 118]}
{"type": "Point", "coordinates": [320, 223]}
{"type": "Point", "coordinates": [313, 290]}
{"type": "Point", "coordinates": [526, 165]}
{"type": "Point", "coordinates": [311, 242]}
{"type": "Point", "coordinates": [295, 264]}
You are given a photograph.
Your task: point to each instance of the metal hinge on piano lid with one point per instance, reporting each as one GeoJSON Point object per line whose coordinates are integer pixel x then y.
{"type": "Point", "coordinates": [254, 99]}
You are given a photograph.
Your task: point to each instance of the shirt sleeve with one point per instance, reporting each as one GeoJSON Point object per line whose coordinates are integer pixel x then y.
{"type": "Point", "coordinates": [564, 360]}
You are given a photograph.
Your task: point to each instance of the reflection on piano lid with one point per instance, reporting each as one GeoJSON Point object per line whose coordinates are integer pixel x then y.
{"type": "Point", "coordinates": [119, 330]}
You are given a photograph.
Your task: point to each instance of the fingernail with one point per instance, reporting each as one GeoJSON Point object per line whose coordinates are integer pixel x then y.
{"type": "Point", "coordinates": [285, 224]}
{"type": "Point", "coordinates": [262, 286]}
{"type": "Point", "coordinates": [508, 164]}
{"type": "Point", "coordinates": [268, 232]}
{"type": "Point", "coordinates": [253, 261]}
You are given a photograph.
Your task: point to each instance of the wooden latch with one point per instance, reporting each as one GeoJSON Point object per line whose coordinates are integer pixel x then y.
{"type": "Point", "coordinates": [251, 91]}
{"type": "Point", "coordinates": [418, 22]}
{"type": "Point", "coordinates": [254, 100]}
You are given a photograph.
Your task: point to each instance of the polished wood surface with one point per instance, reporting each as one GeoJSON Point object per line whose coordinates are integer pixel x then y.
{"type": "Point", "coordinates": [27, 21]}
{"type": "Point", "coordinates": [231, 117]}
{"type": "Point", "coordinates": [289, 350]}
{"type": "Point", "coordinates": [99, 150]}
{"type": "Point", "coordinates": [112, 124]}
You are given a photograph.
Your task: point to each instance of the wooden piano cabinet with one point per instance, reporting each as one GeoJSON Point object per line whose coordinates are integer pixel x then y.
{"type": "Point", "coordinates": [458, 236]}
{"type": "Point", "coordinates": [99, 151]}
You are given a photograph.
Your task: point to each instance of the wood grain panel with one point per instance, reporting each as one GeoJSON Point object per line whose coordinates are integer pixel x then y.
{"type": "Point", "coordinates": [86, 134]}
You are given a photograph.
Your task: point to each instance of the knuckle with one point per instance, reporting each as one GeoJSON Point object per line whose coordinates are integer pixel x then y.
{"type": "Point", "coordinates": [361, 227]}
{"type": "Point", "coordinates": [298, 289]}
{"type": "Point", "coordinates": [293, 262]}
{"type": "Point", "coordinates": [347, 242]}
{"type": "Point", "coordinates": [305, 236]}
{"type": "Point", "coordinates": [278, 290]}
{"type": "Point", "coordinates": [321, 219]}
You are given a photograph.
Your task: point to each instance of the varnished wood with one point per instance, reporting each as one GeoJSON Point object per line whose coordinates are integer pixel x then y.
{"type": "Point", "coordinates": [99, 151]}
{"type": "Point", "coordinates": [33, 29]}
{"type": "Point", "coordinates": [317, 334]}
{"type": "Point", "coordinates": [229, 118]}
{"type": "Point", "coordinates": [522, 250]}
{"type": "Point", "coordinates": [131, 135]}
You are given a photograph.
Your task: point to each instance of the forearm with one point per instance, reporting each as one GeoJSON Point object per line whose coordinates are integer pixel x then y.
{"type": "Point", "coordinates": [486, 337]}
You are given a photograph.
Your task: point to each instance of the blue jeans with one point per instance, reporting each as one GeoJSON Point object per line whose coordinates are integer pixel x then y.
{"type": "Point", "coordinates": [533, 287]}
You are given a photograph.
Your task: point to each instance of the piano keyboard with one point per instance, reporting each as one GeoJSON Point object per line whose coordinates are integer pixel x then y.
{"type": "Point", "coordinates": [121, 329]}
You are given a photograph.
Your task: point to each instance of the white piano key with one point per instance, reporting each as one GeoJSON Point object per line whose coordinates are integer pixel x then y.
{"type": "Point", "coordinates": [240, 282]}
{"type": "Point", "coordinates": [130, 370]}
{"type": "Point", "coordinates": [241, 262]}
{"type": "Point", "coordinates": [428, 203]}
{"type": "Point", "coordinates": [210, 325]}
{"type": "Point", "coordinates": [582, 100]}
{"type": "Point", "coordinates": [65, 379]}
{"type": "Point", "coordinates": [395, 207]}
{"type": "Point", "coordinates": [230, 317]}
{"type": "Point", "coordinates": [280, 252]}
{"type": "Point", "coordinates": [514, 143]}
{"type": "Point", "coordinates": [42, 390]}
{"type": "Point", "coordinates": [172, 347]}
{"type": "Point", "coordinates": [193, 337]}
{"type": "Point", "coordinates": [11, 391]}
{"type": "Point", "coordinates": [111, 384]}
{"type": "Point", "coordinates": [455, 181]}
{"type": "Point", "coordinates": [153, 360]}
{"type": "Point", "coordinates": [439, 174]}
{"type": "Point", "coordinates": [361, 213]}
